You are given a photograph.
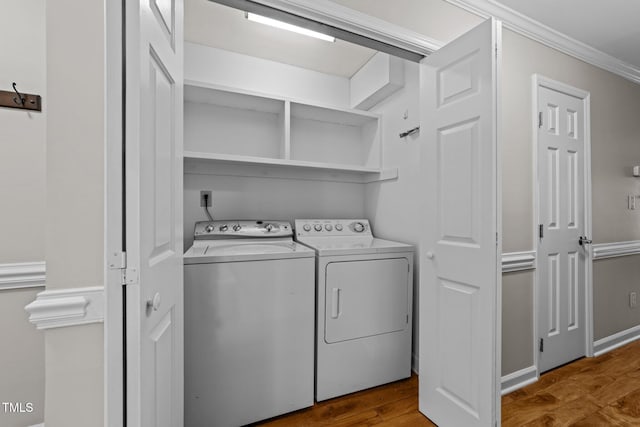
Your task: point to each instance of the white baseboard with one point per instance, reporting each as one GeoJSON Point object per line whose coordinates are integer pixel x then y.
{"type": "Point", "coordinates": [519, 379]}
{"type": "Point", "coordinates": [22, 275]}
{"type": "Point", "coordinates": [614, 341]}
{"type": "Point", "coordinates": [38, 425]}
{"type": "Point", "coordinates": [67, 307]}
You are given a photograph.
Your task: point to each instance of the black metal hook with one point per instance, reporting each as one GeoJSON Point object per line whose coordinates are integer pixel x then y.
{"type": "Point", "coordinates": [20, 100]}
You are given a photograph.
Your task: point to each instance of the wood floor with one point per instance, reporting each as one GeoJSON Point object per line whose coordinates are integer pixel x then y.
{"type": "Point", "coordinates": [601, 391]}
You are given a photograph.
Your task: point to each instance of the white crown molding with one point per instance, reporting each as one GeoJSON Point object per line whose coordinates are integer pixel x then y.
{"type": "Point", "coordinates": [616, 249]}
{"type": "Point", "coordinates": [67, 307]}
{"type": "Point", "coordinates": [534, 30]}
{"type": "Point", "coordinates": [518, 261]}
{"type": "Point", "coordinates": [22, 275]}
{"type": "Point", "coordinates": [347, 19]}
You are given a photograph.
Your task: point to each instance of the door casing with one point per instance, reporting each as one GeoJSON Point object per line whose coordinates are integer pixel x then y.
{"type": "Point", "coordinates": [327, 13]}
{"type": "Point", "coordinates": [541, 81]}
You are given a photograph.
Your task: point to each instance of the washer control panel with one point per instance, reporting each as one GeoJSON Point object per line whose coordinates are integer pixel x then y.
{"type": "Point", "coordinates": [229, 229]}
{"type": "Point", "coordinates": [332, 227]}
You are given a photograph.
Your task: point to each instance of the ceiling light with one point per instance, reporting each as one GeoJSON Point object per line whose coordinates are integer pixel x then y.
{"type": "Point", "coordinates": [283, 25]}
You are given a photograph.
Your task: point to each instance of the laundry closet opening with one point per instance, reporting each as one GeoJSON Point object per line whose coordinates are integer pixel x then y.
{"type": "Point", "coordinates": [281, 125]}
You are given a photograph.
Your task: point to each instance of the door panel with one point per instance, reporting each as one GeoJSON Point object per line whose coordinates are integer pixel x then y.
{"type": "Point", "coordinates": [561, 279]}
{"type": "Point", "coordinates": [153, 188]}
{"type": "Point", "coordinates": [459, 277]}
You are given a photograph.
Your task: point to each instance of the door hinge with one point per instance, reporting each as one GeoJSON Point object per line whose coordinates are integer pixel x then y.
{"type": "Point", "coordinates": [117, 260]}
{"type": "Point", "coordinates": [129, 276]}
{"type": "Point", "coordinates": [541, 346]}
{"type": "Point", "coordinates": [540, 119]}
{"type": "Point", "coordinates": [541, 231]}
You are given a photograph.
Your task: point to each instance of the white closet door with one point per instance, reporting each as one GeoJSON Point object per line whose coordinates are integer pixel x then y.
{"type": "Point", "coordinates": [459, 276]}
{"type": "Point", "coordinates": [154, 76]}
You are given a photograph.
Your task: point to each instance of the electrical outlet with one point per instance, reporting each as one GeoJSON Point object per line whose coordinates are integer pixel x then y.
{"type": "Point", "coordinates": [209, 199]}
{"type": "Point", "coordinates": [633, 301]}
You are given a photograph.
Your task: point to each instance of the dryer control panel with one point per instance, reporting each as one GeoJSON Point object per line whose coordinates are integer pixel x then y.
{"type": "Point", "coordinates": [332, 227]}
{"type": "Point", "coordinates": [229, 229]}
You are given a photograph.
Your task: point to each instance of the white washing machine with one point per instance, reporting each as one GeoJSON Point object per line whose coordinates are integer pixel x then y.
{"type": "Point", "coordinates": [249, 323]}
{"type": "Point", "coordinates": [363, 305]}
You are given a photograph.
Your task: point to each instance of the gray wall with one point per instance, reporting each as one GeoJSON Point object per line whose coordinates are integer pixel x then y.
{"type": "Point", "coordinates": [22, 191]}
{"type": "Point", "coordinates": [615, 129]}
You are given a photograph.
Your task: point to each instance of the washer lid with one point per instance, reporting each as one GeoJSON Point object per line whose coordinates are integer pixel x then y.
{"type": "Point", "coordinates": [207, 251]}
{"type": "Point", "coordinates": [326, 246]}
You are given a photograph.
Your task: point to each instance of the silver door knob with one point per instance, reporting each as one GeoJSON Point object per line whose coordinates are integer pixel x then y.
{"type": "Point", "coordinates": [430, 255]}
{"type": "Point", "coordinates": [154, 303]}
{"type": "Point", "coordinates": [584, 241]}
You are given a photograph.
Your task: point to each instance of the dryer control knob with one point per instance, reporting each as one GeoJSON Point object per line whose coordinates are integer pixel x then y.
{"type": "Point", "coordinates": [268, 227]}
{"type": "Point", "coordinates": [224, 227]}
{"type": "Point", "coordinates": [306, 227]}
{"type": "Point", "coordinates": [208, 228]}
{"type": "Point", "coordinates": [317, 227]}
{"type": "Point", "coordinates": [339, 227]}
{"type": "Point", "coordinates": [358, 227]}
{"type": "Point", "coordinates": [328, 227]}
{"type": "Point", "coordinates": [237, 227]}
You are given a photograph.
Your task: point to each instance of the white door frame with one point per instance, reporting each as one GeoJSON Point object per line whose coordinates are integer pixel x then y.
{"type": "Point", "coordinates": [113, 221]}
{"type": "Point", "coordinates": [541, 81]}
{"type": "Point", "coordinates": [323, 11]}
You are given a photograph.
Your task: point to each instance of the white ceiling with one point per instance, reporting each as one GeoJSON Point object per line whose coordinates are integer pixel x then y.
{"type": "Point", "coordinates": [611, 26]}
{"type": "Point", "coordinates": [226, 28]}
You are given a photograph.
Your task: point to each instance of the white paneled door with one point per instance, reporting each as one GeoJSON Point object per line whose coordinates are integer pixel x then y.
{"type": "Point", "coordinates": [459, 276]}
{"type": "Point", "coordinates": [562, 254]}
{"type": "Point", "coordinates": [153, 169]}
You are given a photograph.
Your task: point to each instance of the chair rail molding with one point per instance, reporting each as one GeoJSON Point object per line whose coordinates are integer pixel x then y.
{"type": "Point", "coordinates": [67, 307]}
{"type": "Point", "coordinates": [615, 249]}
{"type": "Point", "coordinates": [539, 32]}
{"type": "Point", "coordinates": [518, 261]}
{"type": "Point", "coordinates": [22, 275]}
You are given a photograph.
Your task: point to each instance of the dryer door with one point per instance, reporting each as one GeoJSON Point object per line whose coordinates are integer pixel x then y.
{"type": "Point", "coordinates": [365, 298]}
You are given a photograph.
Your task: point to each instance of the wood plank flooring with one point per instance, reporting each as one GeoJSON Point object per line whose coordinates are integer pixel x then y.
{"type": "Point", "coordinates": [601, 391]}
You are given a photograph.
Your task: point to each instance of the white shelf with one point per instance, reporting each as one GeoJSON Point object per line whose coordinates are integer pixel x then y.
{"type": "Point", "coordinates": [229, 164]}
{"type": "Point", "coordinates": [235, 132]}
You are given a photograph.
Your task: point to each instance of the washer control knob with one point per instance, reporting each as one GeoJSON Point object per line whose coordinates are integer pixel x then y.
{"type": "Point", "coordinates": [209, 228]}
{"type": "Point", "coordinates": [268, 227]}
{"type": "Point", "coordinates": [306, 227]}
{"type": "Point", "coordinates": [317, 227]}
{"type": "Point", "coordinates": [358, 227]}
{"type": "Point", "coordinates": [328, 227]}
{"type": "Point", "coordinates": [339, 227]}
{"type": "Point", "coordinates": [224, 227]}
{"type": "Point", "coordinates": [237, 227]}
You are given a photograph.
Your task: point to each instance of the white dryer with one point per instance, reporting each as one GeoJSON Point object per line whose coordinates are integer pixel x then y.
{"type": "Point", "coordinates": [249, 322]}
{"type": "Point", "coordinates": [364, 292]}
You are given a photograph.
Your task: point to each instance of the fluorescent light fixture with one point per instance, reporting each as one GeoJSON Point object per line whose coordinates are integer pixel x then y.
{"type": "Point", "coordinates": [283, 25]}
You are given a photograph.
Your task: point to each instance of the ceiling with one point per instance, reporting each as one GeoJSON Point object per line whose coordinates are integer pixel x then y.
{"type": "Point", "coordinates": [226, 28]}
{"type": "Point", "coordinates": [611, 26]}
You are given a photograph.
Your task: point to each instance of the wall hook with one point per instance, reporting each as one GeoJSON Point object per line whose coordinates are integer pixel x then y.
{"type": "Point", "coordinates": [410, 132]}
{"type": "Point", "coordinates": [20, 99]}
